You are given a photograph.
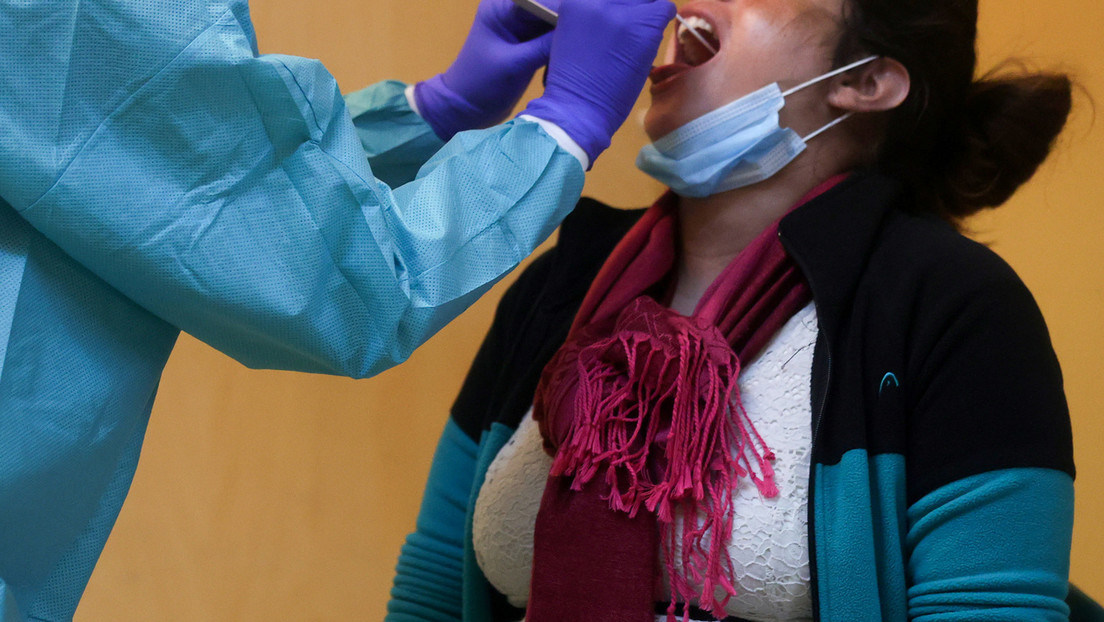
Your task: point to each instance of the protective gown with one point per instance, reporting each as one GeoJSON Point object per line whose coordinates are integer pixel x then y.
{"type": "Point", "coordinates": [156, 174]}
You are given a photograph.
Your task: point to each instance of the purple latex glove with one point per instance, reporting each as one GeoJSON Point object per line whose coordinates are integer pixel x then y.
{"type": "Point", "coordinates": [504, 49]}
{"type": "Point", "coordinates": [602, 52]}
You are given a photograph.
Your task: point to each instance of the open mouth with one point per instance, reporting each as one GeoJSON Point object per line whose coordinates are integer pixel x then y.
{"type": "Point", "coordinates": [696, 43]}
{"type": "Point", "coordinates": [696, 46]}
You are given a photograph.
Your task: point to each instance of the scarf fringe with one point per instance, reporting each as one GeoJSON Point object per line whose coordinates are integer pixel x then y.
{"type": "Point", "coordinates": [678, 381]}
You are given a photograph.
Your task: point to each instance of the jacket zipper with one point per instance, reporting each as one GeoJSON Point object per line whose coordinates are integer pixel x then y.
{"type": "Point", "coordinates": [818, 415]}
{"type": "Point", "coordinates": [811, 510]}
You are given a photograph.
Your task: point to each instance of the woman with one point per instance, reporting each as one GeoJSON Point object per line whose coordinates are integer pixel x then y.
{"type": "Point", "coordinates": [790, 390]}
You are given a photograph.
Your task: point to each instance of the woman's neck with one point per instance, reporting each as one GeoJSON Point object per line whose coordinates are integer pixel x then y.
{"type": "Point", "coordinates": [714, 229]}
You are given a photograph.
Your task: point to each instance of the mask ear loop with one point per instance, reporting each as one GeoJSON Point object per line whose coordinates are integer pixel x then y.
{"type": "Point", "coordinates": [829, 126]}
{"type": "Point", "coordinates": [830, 74]}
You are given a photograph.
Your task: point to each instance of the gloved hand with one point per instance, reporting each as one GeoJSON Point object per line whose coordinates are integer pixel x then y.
{"type": "Point", "coordinates": [602, 52]}
{"type": "Point", "coordinates": [505, 47]}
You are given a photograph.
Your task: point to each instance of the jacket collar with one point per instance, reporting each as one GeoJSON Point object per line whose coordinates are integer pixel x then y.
{"type": "Point", "coordinates": [832, 236]}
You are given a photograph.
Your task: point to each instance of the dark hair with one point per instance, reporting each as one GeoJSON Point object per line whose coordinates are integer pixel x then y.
{"type": "Point", "coordinates": [961, 144]}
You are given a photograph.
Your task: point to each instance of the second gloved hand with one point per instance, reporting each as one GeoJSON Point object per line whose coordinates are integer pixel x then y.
{"type": "Point", "coordinates": [602, 51]}
{"type": "Point", "coordinates": [504, 48]}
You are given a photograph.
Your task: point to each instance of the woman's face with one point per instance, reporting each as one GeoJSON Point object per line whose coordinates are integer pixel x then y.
{"type": "Point", "coordinates": [759, 42]}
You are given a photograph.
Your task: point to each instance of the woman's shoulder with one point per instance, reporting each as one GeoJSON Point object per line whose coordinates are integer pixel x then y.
{"type": "Point", "coordinates": [534, 316]}
{"type": "Point", "coordinates": [586, 238]}
{"type": "Point", "coordinates": [866, 237]}
{"type": "Point", "coordinates": [593, 228]}
{"type": "Point", "coordinates": [610, 222]}
{"type": "Point", "coordinates": [931, 254]}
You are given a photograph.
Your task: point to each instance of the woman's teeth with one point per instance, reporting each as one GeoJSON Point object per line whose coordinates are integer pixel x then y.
{"type": "Point", "coordinates": [696, 23]}
{"type": "Point", "coordinates": [695, 51]}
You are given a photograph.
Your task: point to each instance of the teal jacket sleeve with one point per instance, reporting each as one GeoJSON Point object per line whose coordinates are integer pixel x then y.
{"type": "Point", "coordinates": [429, 577]}
{"type": "Point", "coordinates": [990, 464]}
{"type": "Point", "coordinates": [994, 546]}
{"type": "Point", "coordinates": [231, 194]}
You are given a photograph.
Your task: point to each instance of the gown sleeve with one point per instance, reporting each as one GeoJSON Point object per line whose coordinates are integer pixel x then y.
{"type": "Point", "coordinates": [231, 193]}
{"type": "Point", "coordinates": [394, 137]}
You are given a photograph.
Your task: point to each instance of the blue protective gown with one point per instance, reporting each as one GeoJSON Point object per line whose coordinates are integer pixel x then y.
{"type": "Point", "coordinates": [156, 174]}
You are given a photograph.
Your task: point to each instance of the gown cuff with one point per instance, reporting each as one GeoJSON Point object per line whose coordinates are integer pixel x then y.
{"type": "Point", "coordinates": [569, 145]}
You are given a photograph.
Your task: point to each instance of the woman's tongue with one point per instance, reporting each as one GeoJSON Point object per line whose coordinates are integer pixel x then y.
{"type": "Point", "coordinates": [666, 72]}
{"type": "Point", "coordinates": [685, 53]}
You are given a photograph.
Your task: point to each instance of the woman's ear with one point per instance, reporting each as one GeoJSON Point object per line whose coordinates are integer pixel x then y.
{"type": "Point", "coordinates": [882, 85]}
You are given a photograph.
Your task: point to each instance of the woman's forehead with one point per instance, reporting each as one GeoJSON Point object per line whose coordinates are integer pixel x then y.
{"type": "Point", "coordinates": [814, 10]}
{"type": "Point", "coordinates": [804, 10]}
{"type": "Point", "coordinates": [814, 22]}
{"type": "Point", "coordinates": [809, 22]}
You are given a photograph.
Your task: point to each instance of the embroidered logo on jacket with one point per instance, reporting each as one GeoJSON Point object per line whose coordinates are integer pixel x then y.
{"type": "Point", "coordinates": [888, 380]}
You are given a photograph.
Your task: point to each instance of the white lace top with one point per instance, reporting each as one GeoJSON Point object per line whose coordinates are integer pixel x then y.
{"type": "Point", "coordinates": [769, 546]}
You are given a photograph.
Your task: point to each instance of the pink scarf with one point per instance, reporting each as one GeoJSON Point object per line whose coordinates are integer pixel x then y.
{"type": "Point", "coordinates": [641, 411]}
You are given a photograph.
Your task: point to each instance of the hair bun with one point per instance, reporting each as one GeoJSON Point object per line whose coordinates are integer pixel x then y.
{"type": "Point", "coordinates": [1010, 123]}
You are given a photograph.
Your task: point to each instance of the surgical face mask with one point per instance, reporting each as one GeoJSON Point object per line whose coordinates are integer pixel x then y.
{"type": "Point", "coordinates": [736, 145]}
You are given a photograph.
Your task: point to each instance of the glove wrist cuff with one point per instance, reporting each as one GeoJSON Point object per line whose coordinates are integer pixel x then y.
{"type": "Point", "coordinates": [593, 137]}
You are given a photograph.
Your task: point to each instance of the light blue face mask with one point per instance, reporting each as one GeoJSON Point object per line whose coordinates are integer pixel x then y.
{"type": "Point", "coordinates": [736, 145]}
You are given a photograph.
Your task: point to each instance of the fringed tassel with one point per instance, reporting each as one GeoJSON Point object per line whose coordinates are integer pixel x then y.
{"type": "Point", "coordinates": [664, 381]}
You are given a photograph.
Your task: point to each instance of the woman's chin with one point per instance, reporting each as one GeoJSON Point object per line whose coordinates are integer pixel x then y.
{"type": "Point", "coordinates": [671, 110]}
{"type": "Point", "coordinates": [659, 122]}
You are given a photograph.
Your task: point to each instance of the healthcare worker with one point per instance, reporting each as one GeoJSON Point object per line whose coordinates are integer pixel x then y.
{"type": "Point", "coordinates": [157, 174]}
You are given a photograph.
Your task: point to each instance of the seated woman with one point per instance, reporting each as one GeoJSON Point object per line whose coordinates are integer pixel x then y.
{"type": "Point", "coordinates": [791, 389]}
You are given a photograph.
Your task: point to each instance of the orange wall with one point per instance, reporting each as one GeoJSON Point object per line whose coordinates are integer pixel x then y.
{"type": "Point", "coordinates": [270, 495]}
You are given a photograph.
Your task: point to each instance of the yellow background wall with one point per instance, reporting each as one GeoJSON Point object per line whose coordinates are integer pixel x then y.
{"type": "Point", "coordinates": [276, 496]}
